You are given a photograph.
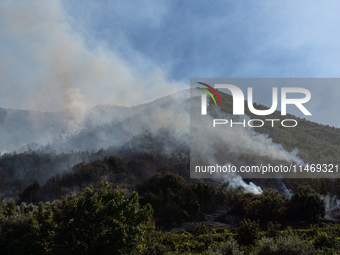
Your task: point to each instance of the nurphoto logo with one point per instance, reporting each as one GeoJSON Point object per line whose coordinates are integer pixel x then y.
{"type": "Point", "coordinates": [238, 104]}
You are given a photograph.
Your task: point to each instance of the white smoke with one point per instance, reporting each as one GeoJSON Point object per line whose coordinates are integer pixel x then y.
{"type": "Point", "coordinates": [248, 188]}
{"type": "Point", "coordinates": [332, 204]}
{"type": "Point", "coordinates": [48, 66]}
{"type": "Point", "coordinates": [222, 144]}
{"type": "Point", "coordinates": [282, 187]}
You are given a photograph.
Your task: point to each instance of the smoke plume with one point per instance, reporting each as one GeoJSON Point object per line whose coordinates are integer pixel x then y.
{"type": "Point", "coordinates": [49, 67]}
{"type": "Point", "coordinates": [46, 65]}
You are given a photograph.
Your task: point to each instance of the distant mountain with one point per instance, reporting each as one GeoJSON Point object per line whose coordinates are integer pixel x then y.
{"type": "Point", "coordinates": [160, 127]}
{"type": "Point", "coordinates": [106, 125]}
{"type": "Point", "coordinates": [102, 126]}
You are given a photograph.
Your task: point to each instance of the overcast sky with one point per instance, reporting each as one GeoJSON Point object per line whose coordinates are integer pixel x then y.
{"type": "Point", "coordinates": [71, 54]}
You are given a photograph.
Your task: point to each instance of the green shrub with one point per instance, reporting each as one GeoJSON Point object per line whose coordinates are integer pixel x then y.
{"type": "Point", "coordinates": [228, 248]}
{"type": "Point", "coordinates": [271, 207]}
{"type": "Point", "coordinates": [291, 245]}
{"type": "Point", "coordinates": [155, 249]}
{"type": "Point", "coordinates": [267, 247]}
{"type": "Point", "coordinates": [288, 231]}
{"type": "Point", "coordinates": [201, 230]}
{"type": "Point", "coordinates": [247, 232]}
{"type": "Point", "coordinates": [273, 229]}
{"type": "Point", "coordinates": [306, 204]}
{"type": "Point", "coordinates": [102, 221]}
{"type": "Point", "coordinates": [172, 199]}
{"type": "Point", "coordinates": [322, 240]}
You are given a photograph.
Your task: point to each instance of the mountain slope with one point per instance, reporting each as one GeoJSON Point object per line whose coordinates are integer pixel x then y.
{"type": "Point", "coordinates": [316, 143]}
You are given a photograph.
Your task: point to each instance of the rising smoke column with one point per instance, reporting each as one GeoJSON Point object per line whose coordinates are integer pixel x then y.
{"type": "Point", "coordinates": [49, 66]}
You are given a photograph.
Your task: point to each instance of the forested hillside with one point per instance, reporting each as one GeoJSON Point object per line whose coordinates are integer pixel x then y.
{"type": "Point", "coordinates": [138, 197]}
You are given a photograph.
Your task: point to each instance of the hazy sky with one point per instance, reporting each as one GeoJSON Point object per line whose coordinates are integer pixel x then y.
{"type": "Point", "coordinates": [73, 54]}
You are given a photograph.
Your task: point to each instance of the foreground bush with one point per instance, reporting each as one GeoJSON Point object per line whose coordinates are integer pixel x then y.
{"type": "Point", "coordinates": [306, 205]}
{"type": "Point", "coordinates": [91, 222]}
{"type": "Point", "coordinates": [172, 199]}
{"type": "Point", "coordinates": [248, 232]}
{"type": "Point", "coordinates": [228, 248]}
{"type": "Point", "coordinates": [102, 221]}
{"type": "Point", "coordinates": [290, 245]}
